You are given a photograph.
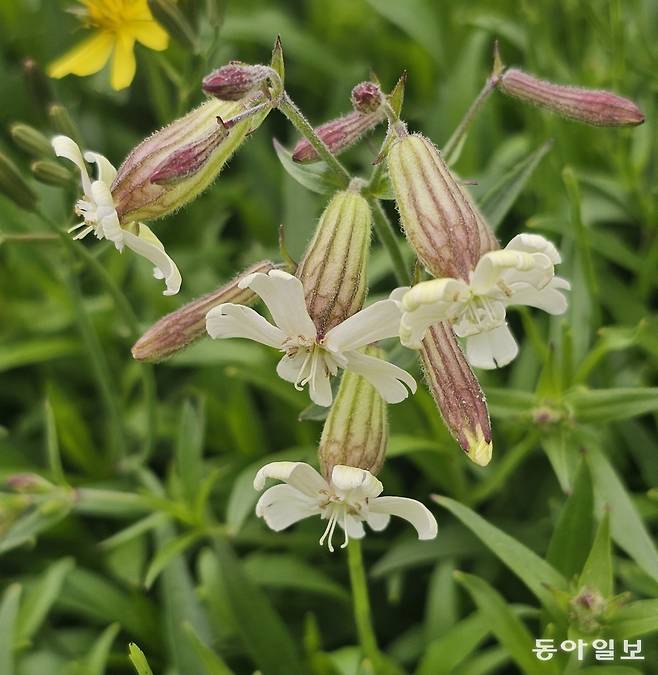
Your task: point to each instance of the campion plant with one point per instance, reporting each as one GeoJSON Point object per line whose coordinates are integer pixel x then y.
{"type": "Point", "coordinates": [351, 353]}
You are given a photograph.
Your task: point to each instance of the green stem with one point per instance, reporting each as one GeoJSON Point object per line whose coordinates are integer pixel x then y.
{"type": "Point", "coordinates": [458, 135]}
{"type": "Point", "coordinates": [294, 114]}
{"type": "Point", "coordinates": [389, 240]}
{"type": "Point", "coordinates": [362, 605]}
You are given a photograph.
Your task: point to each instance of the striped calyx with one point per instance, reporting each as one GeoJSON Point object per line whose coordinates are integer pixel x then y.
{"type": "Point", "coordinates": [174, 165]}
{"type": "Point", "coordinates": [596, 107]}
{"type": "Point", "coordinates": [356, 430]}
{"type": "Point", "coordinates": [333, 269]}
{"type": "Point", "coordinates": [457, 393]}
{"type": "Point", "coordinates": [439, 218]}
{"type": "Point", "coordinates": [180, 328]}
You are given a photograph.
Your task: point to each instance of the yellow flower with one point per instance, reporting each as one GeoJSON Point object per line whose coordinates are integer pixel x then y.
{"type": "Point", "coordinates": [117, 24]}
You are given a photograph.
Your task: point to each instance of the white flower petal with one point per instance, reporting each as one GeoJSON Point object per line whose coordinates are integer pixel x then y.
{"type": "Point", "coordinates": [534, 243]}
{"type": "Point", "coordinates": [355, 528]}
{"type": "Point", "coordinates": [347, 478]}
{"type": "Point", "coordinates": [378, 521]}
{"type": "Point", "coordinates": [284, 296]}
{"type": "Point", "coordinates": [107, 215]}
{"type": "Point", "coordinates": [282, 505]}
{"type": "Point", "coordinates": [447, 292]}
{"type": "Point", "coordinates": [414, 325]}
{"type": "Point", "coordinates": [319, 386]}
{"type": "Point", "coordinates": [409, 509]}
{"type": "Point", "coordinates": [105, 171]}
{"type": "Point", "coordinates": [491, 349]}
{"type": "Point", "coordinates": [66, 147]}
{"type": "Point", "coordinates": [379, 321]}
{"type": "Point", "coordinates": [548, 298]}
{"type": "Point", "coordinates": [385, 377]}
{"type": "Point", "coordinates": [149, 246]}
{"type": "Point", "coordinates": [511, 267]}
{"type": "Point", "coordinates": [300, 475]}
{"type": "Point", "coordinates": [230, 321]}
{"type": "Point", "coordinates": [290, 366]}
{"type": "Point", "coordinates": [398, 293]}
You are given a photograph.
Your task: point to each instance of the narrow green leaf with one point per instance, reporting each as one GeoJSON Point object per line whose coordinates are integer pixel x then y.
{"type": "Point", "coordinates": [538, 575]}
{"type": "Point", "coordinates": [563, 452]}
{"type": "Point", "coordinates": [212, 663]}
{"type": "Point", "coordinates": [30, 352]}
{"type": "Point", "coordinates": [572, 534]}
{"type": "Point", "coordinates": [28, 526]}
{"type": "Point", "coordinates": [137, 658]}
{"type": "Point", "coordinates": [52, 445]}
{"type": "Point", "coordinates": [264, 634]}
{"type": "Point", "coordinates": [138, 528]}
{"type": "Point", "coordinates": [497, 202]}
{"type": "Point", "coordinates": [8, 615]}
{"type": "Point", "coordinates": [171, 550]}
{"type": "Point", "coordinates": [96, 660]}
{"type": "Point", "coordinates": [606, 405]}
{"type": "Point", "coordinates": [448, 651]}
{"type": "Point", "coordinates": [626, 525]}
{"type": "Point", "coordinates": [287, 571]}
{"type": "Point", "coordinates": [597, 571]}
{"type": "Point", "coordinates": [39, 598]}
{"type": "Point", "coordinates": [510, 402]}
{"type": "Point", "coordinates": [504, 624]}
{"type": "Point", "coordinates": [635, 619]}
{"type": "Point", "coordinates": [189, 448]}
{"type": "Point", "coordinates": [316, 177]}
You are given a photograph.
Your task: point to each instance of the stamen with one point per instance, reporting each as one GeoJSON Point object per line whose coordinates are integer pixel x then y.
{"type": "Point", "coordinates": [347, 536]}
{"type": "Point", "coordinates": [329, 530]}
{"type": "Point", "coordinates": [76, 227]}
{"type": "Point", "coordinates": [84, 233]}
{"type": "Point", "coordinates": [301, 381]}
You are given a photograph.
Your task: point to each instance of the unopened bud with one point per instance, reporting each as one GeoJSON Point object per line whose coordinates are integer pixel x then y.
{"type": "Point", "coordinates": [597, 107]}
{"type": "Point", "coordinates": [27, 483]}
{"type": "Point", "coordinates": [51, 173]}
{"type": "Point", "coordinates": [367, 97]}
{"type": "Point", "coordinates": [457, 393]}
{"type": "Point", "coordinates": [37, 84]}
{"type": "Point", "coordinates": [587, 610]}
{"type": "Point", "coordinates": [234, 81]}
{"type": "Point", "coordinates": [177, 330]}
{"type": "Point", "coordinates": [14, 186]}
{"type": "Point", "coordinates": [356, 431]}
{"type": "Point", "coordinates": [338, 134]}
{"type": "Point", "coordinates": [333, 269]}
{"type": "Point", "coordinates": [29, 139]}
{"type": "Point", "coordinates": [173, 165]}
{"type": "Point", "coordinates": [439, 218]}
{"type": "Point", "coordinates": [62, 122]}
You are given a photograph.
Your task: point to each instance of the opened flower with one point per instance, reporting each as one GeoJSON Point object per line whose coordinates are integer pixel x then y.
{"type": "Point", "coordinates": [117, 24]}
{"type": "Point", "coordinates": [309, 357]}
{"type": "Point", "coordinates": [99, 214]}
{"type": "Point", "coordinates": [520, 274]}
{"type": "Point", "coordinates": [349, 499]}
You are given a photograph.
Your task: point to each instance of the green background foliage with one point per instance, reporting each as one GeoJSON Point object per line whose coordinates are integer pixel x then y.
{"type": "Point", "coordinates": [148, 535]}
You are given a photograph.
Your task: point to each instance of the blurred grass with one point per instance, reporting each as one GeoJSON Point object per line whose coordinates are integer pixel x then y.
{"type": "Point", "coordinates": [583, 386]}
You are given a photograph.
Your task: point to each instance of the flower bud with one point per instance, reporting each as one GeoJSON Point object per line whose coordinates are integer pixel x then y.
{"type": "Point", "coordinates": [457, 393]}
{"type": "Point", "coordinates": [179, 329]}
{"type": "Point", "coordinates": [49, 173]}
{"type": "Point", "coordinates": [439, 219]}
{"type": "Point", "coordinates": [62, 122]}
{"type": "Point", "coordinates": [343, 132]}
{"type": "Point", "coordinates": [14, 186]}
{"type": "Point", "coordinates": [28, 483]}
{"type": "Point", "coordinates": [597, 107]}
{"type": "Point", "coordinates": [172, 166]}
{"type": "Point", "coordinates": [236, 80]}
{"type": "Point", "coordinates": [367, 97]}
{"type": "Point", "coordinates": [356, 431]}
{"type": "Point", "coordinates": [29, 139]}
{"type": "Point", "coordinates": [333, 269]}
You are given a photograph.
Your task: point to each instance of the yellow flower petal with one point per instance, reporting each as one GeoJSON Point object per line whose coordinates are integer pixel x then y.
{"type": "Point", "coordinates": [85, 58]}
{"type": "Point", "coordinates": [123, 61]}
{"type": "Point", "coordinates": [150, 34]}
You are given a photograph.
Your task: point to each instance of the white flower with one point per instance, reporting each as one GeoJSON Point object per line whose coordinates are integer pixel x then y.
{"type": "Point", "coordinates": [310, 358]}
{"type": "Point", "coordinates": [349, 499]}
{"type": "Point", "coordinates": [520, 274]}
{"type": "Point", "coordinates": [100, 216]}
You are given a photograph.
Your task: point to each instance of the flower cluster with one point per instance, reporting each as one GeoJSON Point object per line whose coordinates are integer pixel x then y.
{"type": "Point", "coordinates": [316, 313]}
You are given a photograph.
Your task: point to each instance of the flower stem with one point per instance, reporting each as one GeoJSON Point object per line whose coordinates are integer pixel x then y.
{"type": "Point", "coordinates": [362, 605]}
{"type": "Point", "coordinates": [452, 147]}
{"type": "Point", "coordinates": [389, 240]}
{"type": "Point", "coordinates": [294, 114]}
